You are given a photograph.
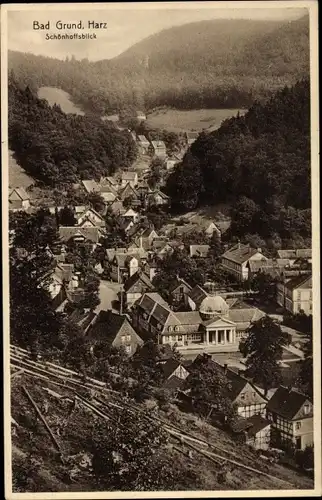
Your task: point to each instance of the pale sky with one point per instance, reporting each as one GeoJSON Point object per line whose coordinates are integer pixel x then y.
{"type": "Point", "coordinates": [124, 27]}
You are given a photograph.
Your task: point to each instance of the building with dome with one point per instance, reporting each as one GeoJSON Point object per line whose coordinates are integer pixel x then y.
{"type": "Point", "coordinates": [218, 326]}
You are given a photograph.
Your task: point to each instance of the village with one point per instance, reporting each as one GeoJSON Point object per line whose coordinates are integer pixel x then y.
{"type": "Point", "coordinates": [203, 322]}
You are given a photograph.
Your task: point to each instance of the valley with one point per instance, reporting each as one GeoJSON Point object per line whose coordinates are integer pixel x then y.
{"type": "Point", "coordinates": [58, 96]}
{"type": "Point", "coordinates": [194, 120]}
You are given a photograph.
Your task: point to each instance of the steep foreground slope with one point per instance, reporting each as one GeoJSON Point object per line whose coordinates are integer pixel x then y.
{"type": "Point", "coordinates": [58, 419]}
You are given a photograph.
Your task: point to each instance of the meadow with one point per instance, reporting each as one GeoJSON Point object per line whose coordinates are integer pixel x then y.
{"type": "Point", "coordinates": [194, 120]}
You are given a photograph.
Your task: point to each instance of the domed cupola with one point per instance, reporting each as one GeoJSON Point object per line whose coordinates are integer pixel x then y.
{"type": "Point", "coordinates": [213, 306]}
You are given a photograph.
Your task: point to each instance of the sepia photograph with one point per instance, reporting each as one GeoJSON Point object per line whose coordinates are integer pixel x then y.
{"type": "Point", "coordinates": [161, 313]}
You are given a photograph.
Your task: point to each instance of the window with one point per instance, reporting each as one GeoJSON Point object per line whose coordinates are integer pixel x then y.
{"type": "Point", "coordinates": [176, 328]}
{"type": "Point", "coordinates": [128, 349]}
{"type": "Point", "coordinates": [122, 339]}
{"type": "Point", "coordinates": [159, 326]}
{"type": "Point", "coordinates": [242, 396]}
{"type": "Point", "coordinates": [166, 338]}
{"type": "Point", "coordinates": [297, 425]}
{"type": "Point", "coordinates": [128, 338]}
{"type": "Point", "coordinates": [179, 338]}
{"type": "Point", "coordinates": [306, 409]}
{"type": "Point", "coordinates": [170, 329]}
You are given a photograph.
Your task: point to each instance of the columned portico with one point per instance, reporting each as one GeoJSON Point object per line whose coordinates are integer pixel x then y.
{"type": "Point", "coordinates": [220, 336]}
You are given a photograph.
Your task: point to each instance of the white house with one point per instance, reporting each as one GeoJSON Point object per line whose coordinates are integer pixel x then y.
{"type": "Point", "coordinates": [235, 260]}
{"type": "Point", "coordinates": [129, 178]}
{"type": "Point", "coordinates": [131, 215]}
{"type": "Point", "coordinates": [18, 199]}
{"type": "Point", "coordinates": [295, 295]}
{"type": "Point", "coordinates": [90, 215]}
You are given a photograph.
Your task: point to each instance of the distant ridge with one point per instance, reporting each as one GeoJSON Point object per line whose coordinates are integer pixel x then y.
{"type": "Point", "coordinates": [207, 64]}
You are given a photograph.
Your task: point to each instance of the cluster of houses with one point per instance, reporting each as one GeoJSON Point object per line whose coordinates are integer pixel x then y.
{"type": "Point", "coordinates": [202, 323]}
{"type": "Point", "coordinates": [129, 190]}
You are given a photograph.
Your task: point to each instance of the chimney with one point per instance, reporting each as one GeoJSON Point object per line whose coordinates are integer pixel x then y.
{"type": "Point", "coordinates": [259, 250]}
{"type": "Point", "coordinates": [225, 368]}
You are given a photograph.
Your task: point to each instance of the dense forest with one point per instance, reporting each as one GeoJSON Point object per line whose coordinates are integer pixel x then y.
{"type": "Point", "coordinates": [208, 64]}
{"type": "Point", "coordinates": [259, 164]}
{"type": "Point", "coordinates": [58, 148]}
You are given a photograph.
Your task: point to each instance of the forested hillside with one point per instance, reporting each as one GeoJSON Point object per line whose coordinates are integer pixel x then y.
{"type": "Point", "coordinates": [208, 64]}
{"type": "Point", "coordinates": [260, 163]}
{"type": "Point", "coordinates": [57, 148]}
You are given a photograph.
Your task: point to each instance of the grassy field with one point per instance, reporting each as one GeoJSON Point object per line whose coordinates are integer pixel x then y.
{"type": "Point", "coordinates": [194, 120]}
{"type": "Point", "coordinates": [58, 96]}
{"type": "Point", "coordinates": [17, 176]}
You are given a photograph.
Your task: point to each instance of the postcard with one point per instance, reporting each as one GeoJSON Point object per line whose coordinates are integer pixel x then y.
{"type": "Point", "coordinates": [160, 215]}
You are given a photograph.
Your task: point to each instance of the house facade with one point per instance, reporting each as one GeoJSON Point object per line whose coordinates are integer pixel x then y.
{"type": "Point", "coordinates": [135, 286]}
{"type": "Point", "coordinates": [129, 178]}
{"type": "Point", "coordinates": [95, 219]}
{"type": "Point", "coordinates": [158, 148]}
{"type": "Point", "coordinates": [236, 259]}
{"type": "Point", "coordinates": [241, 392]}
{"type": "Point", "coordinates": [291, 415]}
{"type": "Point", "coordinates": [18, 199]}
{"type": "Point", "coordinates": [295, 294]}
{"type": "Point", "coordinates": [143, 144]}
{"type": "Point", "coordinates": [116, 330]}
{"type": "Point", "coordinates": [124, 266]}
{"type": "Point", "coordinates": [214, 328]}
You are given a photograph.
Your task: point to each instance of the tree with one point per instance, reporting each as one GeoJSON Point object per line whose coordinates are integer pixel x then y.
{"type": "Point", "coordinates": [66, 217]}
{"type": "Point", "coordinates": [216, 248]}
{"type": "Point", "coordinates": [263, 348]}
{"type": "Point", "coordinates": [157, 170]}
{"type": "Point", "coordinates": [185, 185]}
{"type": "Point", "coordinates": [132, 456]}
{"type": "Point", "coordinates": [145, 363]}
{"type": "Point", "coordinates": [209, 388]}
{"type": "Point", "coordinates": [97, 202]}
{"type": "Point", "coordinates": [264, 284]}
{"type": "Point", "coordinates": [306, 371]}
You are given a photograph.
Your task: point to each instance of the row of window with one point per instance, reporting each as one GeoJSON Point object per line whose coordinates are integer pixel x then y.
{"type": "Point", "coordinates": [125, 338]}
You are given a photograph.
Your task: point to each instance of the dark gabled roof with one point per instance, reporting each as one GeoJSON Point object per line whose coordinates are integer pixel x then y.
{"type": "Point", "coordinates": [299, 282]}
{"type": "Point", "coordinates": [169, 367]}
{"type": "Point", "coordinates": [82, 318]}
{"type": "Point", "coordinates": [240, 253]}
{"type": "Point", "coordinates": [109, 324]}
{"type": "Point", "coordinates": [197, 294]}
{"type": "Point", "coordinates": [138, 278]}
{"type": "Point", "coordinates": [257, 424]}
{"type": "Point", "coordinates": [236, 382]}
{"type": "Point", "coordinates": [128, 191]}
{"type": "Point", "coordinates": [286, 402]}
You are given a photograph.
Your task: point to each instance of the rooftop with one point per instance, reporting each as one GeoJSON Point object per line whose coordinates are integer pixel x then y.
{"type": "Point", "coordinates": [299, 282]}
{"type": "Point", "coordinates": [287, 402]}
{"type": "Point", "coordinates": [241, 253]}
